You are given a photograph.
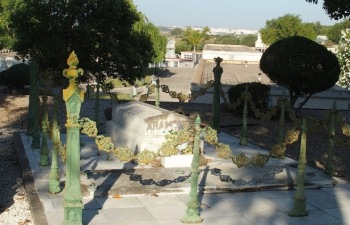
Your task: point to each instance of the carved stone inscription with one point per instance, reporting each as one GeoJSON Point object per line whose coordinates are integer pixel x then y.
{"type": "Point", "coordinates": [161, 125]}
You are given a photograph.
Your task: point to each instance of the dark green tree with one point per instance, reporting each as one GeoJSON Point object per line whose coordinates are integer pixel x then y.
{"type": "Point", "coordinates": [336, 9]}
{"type": "Point", "coordinates": [110, 37]}
{"type": "Point", "coordinates": [334, 32]}
{"type": "Point", "coordinates": [228, 39]}
{"type": "Point", "coordinates": [249, 40]}
{"type": "Point", "coordinates": [103, 33]}
{"type": "Point", "coordinates": [7, 36]}
{"type": "Point", "coordinates": [182, 46]}
{"type": "Point", "coordinates": [301, 65]}
{"type": "Point", "coordinates": [177, 32]}
{"type": "Point", "coordinates": [286, 26]}
{"type": "Point", "coordinates": [195, 37]}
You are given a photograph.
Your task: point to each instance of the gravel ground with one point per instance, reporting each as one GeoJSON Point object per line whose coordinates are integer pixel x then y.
{"type": "Point", "coordinates": [14, 207]}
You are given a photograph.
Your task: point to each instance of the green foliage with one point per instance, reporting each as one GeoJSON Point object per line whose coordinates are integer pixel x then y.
{"type": "Point", "coordinates": [107, 87]}
{"type": "Point", "coordinates": [260, 95]}
{"type": "Point", "coordinates": [16, 76]}
{"type": "Point", "coordinates": [249, 40]}
{"type": "Point", "coordinates": [300, 65]}
{"type": "Point", "coordinates": [177, 32]}
{"type": "Point", "coordinates": [232, 39]}
{"type": "Point", "coordinates": [182, 47]}
{"type": "Point", "coordinates": [343, 55]}
{"type": "Point", "coordinates": [7, 37]}
{"type": "Point", "coordinates": [286, 26]}
{"type": "Point", "coordinates": [195, 37]}
{"type": "Point", "coordinates": [120, 96]}
{"type": "Point", "coordinates": [157, 40]}
{"type": "Point", "coordinates": [336, 9]}
{"type": "Point", "coordinates": [229, 39]}
{"type": "Point", "coordinates": [334, 32]}
{"type": "Point", "coordinates": [110, 37]}
{"type": "Point", "coordinates": [119, 83]}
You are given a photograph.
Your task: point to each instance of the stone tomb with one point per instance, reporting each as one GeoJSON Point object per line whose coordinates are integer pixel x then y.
{"type": "Point", "coordinates": [141, 126]}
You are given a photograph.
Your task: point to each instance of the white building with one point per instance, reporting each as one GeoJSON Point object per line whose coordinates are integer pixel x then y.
{"type": "Point", "coordinates": [259, 44]}
{"type": "Point", "coordinates": [238, 53]}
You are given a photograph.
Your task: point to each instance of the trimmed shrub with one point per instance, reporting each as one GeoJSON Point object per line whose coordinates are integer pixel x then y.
{"type": "Point", "coordinates": [17, 76]}
{"type": "Point", "coordinates": [260, 95]}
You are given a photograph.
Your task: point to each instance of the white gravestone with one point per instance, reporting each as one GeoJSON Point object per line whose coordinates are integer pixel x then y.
{"type": "Point", "coordinates": [141, 126]}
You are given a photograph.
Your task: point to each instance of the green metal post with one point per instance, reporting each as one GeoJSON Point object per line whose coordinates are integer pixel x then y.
{"type": "Point", "coordinates": [157, 93]}
{"type": "Point", "coordinates": [281, 122]}
{"type": "Point", "coordinates": [192, 212]}
{"type": "Point", "coordinates": [44, 151]}
{"type": "Point", "coordinates": [330, 164]}
{"type": "Point", "coordinates": [73, 96]}
{"type": "Point", "coordinates": [33, 102]}
{"type": "Point", "coordinates": [215, 115]}
{"type": "Point", "coordinates": [97, 102]}
{"type": "Point", "coordinates": [36, 133]}
{"type": "Point", "coordinates": [36, 103]}
{"type": "Point", "coordinates": [54, 182]}
{"type": "Point", "coordinates": [299, 207]}
{"type": "Point", "coordinates": [243, 141]}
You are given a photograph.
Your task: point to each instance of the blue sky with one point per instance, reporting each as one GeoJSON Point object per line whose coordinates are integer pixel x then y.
{"type": "Point", "coordinates": [235, 14]}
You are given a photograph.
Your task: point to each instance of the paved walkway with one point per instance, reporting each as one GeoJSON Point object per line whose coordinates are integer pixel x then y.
{"type": "Point", "coordinates": [113, 196]}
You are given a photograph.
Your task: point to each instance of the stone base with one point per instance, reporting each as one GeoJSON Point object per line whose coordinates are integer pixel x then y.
{"type": "Point", "coordinates": [177, 161]}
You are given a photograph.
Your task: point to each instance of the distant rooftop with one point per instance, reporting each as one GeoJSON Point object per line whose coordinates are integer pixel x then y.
{"type": "Point", "coordinates": [228, 48]}
{"type": "Point", "coordinates": [234, 74]}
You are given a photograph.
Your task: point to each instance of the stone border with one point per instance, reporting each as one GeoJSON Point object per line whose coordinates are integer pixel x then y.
{"type": "Point", "coordinates": [36, 207]}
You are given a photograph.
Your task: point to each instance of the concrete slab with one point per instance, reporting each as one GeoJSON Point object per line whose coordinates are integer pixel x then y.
{"type": "Point", "coordinates": [126, 195]}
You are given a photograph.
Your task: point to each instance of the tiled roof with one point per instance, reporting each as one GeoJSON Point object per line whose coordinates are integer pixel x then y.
{"type": "Point", "coordinates": [235, 73]}
{"type": "Point", "coordinates": [228, 48]}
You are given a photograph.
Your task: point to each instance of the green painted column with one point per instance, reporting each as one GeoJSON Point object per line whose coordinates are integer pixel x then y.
{"type": "Point", "coordinates": [34, 69]}
{"type": "Point", "coordinates": [33, 101]}
{"type": "Point", "coordinates": [244, 140]}
{"type": "Point", "coordinates": [299, 206]}
{"type": "Point", "coordinates": [157, 93]}
{"type": "Point", "coordinates": [36, 133]}
{"type": "Point", "coordinates": [192, 212]}
{"type": "Point", "coordinates": [97, 102]}
{"type": "Point", "coordinates": [330, 163]}
{"type": "Point", "coordinates": [54, 182]}
{"type": "Point", "coordinates": [282, 119]}
{"type": "Point", "coordinates": [73, 96]}
{"type": "Point", "coordinates": [215, 115]}
{"type": "Point", "coordinates": [44, 151]}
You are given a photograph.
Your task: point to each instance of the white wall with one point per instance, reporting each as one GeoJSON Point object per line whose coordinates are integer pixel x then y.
{"type": "Point", "coordinates": [237, 56]}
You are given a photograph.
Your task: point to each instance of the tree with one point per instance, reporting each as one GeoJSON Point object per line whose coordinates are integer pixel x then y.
{"type": "Point", "coordinates": [110, 37]}
{"type": "Point", "coordinates": [336, 9]}
{"type": "Point", "coordinates": [182, 46]}
{"type": "Point", "coordinates": [343, 54]}
{"type": "Point", "coordinates": [300, 65]}
{"type": "Point", "coordinates": [158, 41]}
{"type": "Point", "coordinates": [195, 37]}
{"type": "Point", "coordinates": [286, 26]}
{"type": "Point", "coordinates": [103, 33]}
{"type": "Point", "coordinates": [7, 36]}
{"type": "Point", "coordinates": [177, 32]}
{"type": "Point", "coordinates": [334, 32]}
{"type": "Point", "coordinates": [228, 39]}
{"type": "Point", "coordinates": [249, 40]}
